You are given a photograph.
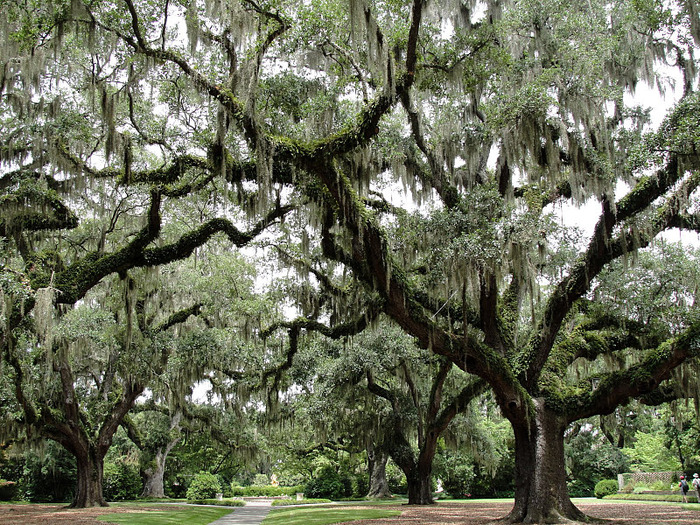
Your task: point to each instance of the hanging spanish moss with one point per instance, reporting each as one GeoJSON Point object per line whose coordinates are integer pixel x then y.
{"type": "Point", "coordinates": [369, 42]}
{"type": "Point", "coordinates": [686, 377]}
{"type": "Point", "coordinates": [192, 23]}
{"type": "Point", "coordinates": [43, 313]}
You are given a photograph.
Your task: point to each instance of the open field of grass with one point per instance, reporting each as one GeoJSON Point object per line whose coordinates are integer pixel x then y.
{"type": "Point", "coordinates": [324, 515]}
{"type": "Point", "coordinates": [191, 515]}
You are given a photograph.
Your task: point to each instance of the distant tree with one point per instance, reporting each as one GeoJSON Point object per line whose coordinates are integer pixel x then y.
{"type": "Point", "coordinates": [648, 453]}
{"type": "Point", "coordinates": [590, 457]}
{"type": "Point", "coordinates": [155, 431]}
{"type": "Point", "coordinates": [77, 381]}
{"type": "Point", "coordinates": [682, 432]}
{"type": "Point", "coordinates": [417, 396]}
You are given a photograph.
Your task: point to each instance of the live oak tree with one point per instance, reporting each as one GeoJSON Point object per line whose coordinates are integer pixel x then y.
{"type": "Point", "coordinates": [488, 113]}
{"type": "Point", "coordinates": [321, 417]}
{"type": "Point", "coordinates": [159, 430]}
{"type": "Point", "coordinates": [433, 417]}
{"type": "Point", "coordinates": [488, 280]}
{"type": "Point", "coordinates": [418, 397]}
{"type": "Point", "coordinates": [70, 222]}
{"type": "Point", "coordinates": [76, 381]}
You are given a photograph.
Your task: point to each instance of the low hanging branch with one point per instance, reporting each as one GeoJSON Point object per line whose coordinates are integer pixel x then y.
{"type": "Point", "coordinates": [602, 251]}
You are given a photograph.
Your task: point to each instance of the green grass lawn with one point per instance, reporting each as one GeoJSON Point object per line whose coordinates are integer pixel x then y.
{"type": "Point", "coordinates": [323, 515]}
{"type": "Point", "coordinates": [170, 515]}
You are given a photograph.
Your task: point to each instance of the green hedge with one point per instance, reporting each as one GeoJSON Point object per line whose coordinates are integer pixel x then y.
{"type": "Point", "coordinates": [8, 490]}
{"type": "Point", "coordinates": [305, 501]}
{"type": "Point", "coordinates": [265, 491]}
{"type": "Point", "coordinates": [226, 502]}
{"type": "Point", "coordinates": [670, 498]}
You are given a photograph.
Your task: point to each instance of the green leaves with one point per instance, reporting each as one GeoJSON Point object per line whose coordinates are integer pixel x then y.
{"type": "Point", "coordinates": [649, 454]}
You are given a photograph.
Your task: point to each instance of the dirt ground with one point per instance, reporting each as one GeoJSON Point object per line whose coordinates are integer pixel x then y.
{"type": "Point", "coordinates": [442, 514]}
{"type": "Point", "coordinates": [489, 513]}
{"type": "Point", "coordinates": [58, 514]}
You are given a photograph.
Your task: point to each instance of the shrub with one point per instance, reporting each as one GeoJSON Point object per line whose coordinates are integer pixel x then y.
{"type": "Point", "coordinates": [579, 489]}
{"type": "Point", "coordinates": [8, 490]}
{"type": "Point", "coordinates": [204, 486]}
{"type": "Point", "coordinates": [121, 481]}
{"type": "Point", "coordinates": [659, 485]}
{"type": "Point", "coordinates": [261, 480]}
{"type": "Point", "coordinates": [305, 501]}
{"type": "Point", "coordinates": [605, 487]}
{"type": "Point", "coordinates": [360, 485]}
{"type": "Point", "coordinates": [328, 484]}
{"type": "Point", "coordinates": [227, 502]}
{"type": "Point", "coordinates": [267, 491]}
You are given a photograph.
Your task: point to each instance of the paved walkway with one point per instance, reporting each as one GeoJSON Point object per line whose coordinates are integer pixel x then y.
{"type": "Point", "coordinates": [252, 514]}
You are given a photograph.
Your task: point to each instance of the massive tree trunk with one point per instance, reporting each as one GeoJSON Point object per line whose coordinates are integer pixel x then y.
{"type": "Point", "coordinates": [420, 490]}
{"type": "Point", "coordinates": [541, 495]}
{"type": "Point", "coordinates": [153, 486]}
{"type": "Point", "coordinates": [378, 484]}
{"type": "Point", "coordinates": [90, 463]}
{"type": "Point", "coordinates": [418, 472]}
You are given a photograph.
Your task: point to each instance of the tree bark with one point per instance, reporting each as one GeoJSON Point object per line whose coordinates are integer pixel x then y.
{"type": "Point", "coordinates": [419, 489]}
{"type": "Point", "coordinates": [90, 465]}
{"type": "Point", "coordinates": [541, 495]}
{"type": "Point", "coordinates": [378, 484]}
{"type": "Point", "coordinates": [153, 487]}
{"type": "Point", "coordinates": [418, 472]}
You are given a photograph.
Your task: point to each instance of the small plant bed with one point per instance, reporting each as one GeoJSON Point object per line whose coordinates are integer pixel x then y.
{"type": "Point", "coordinates": [226, 502]}
{"type": "Point", "coordinates": [305, 501]}
{"type": "Point", "coordinates": [255, 491]}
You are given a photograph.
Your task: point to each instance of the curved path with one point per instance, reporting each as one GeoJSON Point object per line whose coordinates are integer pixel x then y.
{"type": "Point", "coordinates": [252, 514]}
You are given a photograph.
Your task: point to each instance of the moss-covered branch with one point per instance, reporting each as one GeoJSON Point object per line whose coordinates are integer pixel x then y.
{"type": "Point", "coordinates": [602, 249]}
{"type": "Point", "coordinates": [616, 388]}
{"type": "Point", "coordinates": [77, 279]}
{"type": "Point", "coordinates": [33, 208]}
{"type": "Point", "coordinates": [458, 404]}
